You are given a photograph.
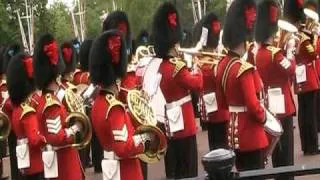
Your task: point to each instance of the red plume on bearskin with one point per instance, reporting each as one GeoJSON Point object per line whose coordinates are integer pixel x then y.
{"type": "Point", "coordinates": [20, 79]}
{"type": "Point", "coordinates": [104, 70]}
{"type": "Point", "coordinates": [119, 20]}
{"type": "Point", "coordinates": [47, 61]}
{"type": "Point", "coordinates": [69, 56]}
{"type": "Point", "coordinates": [166, 29]}
{"type": "Point", "coordinates": [238, 23]}
{"type": "Point", "coordinates": [267, 18]}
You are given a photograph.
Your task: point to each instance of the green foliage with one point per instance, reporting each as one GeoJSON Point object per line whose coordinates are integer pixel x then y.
{"type": "Point", "coordinates": [57, 19]}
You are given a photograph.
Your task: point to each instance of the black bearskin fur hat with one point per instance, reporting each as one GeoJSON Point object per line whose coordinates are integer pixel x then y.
{"type": "Point", "coordinates": [112, 21]}
{"type": "Point", "coordinates": [164, 35]}
{"type": "Point", "coordinates": [19, 81]}
{"type": "Point", "coordinates": [11, 51]}
{"type": "Point", "coordinates": [44, 70]}
{"type": "Point", "coordinates": [143, 38]}
{"type": "Point", "coordinates": [235, 30]}
{"type": "Point", "coordinates": [102, 70]}
{"type": "Point", "coordinates": [206, 22]}
{"type": "Point", "coordinates": [67, 49]}
{"type": "Point", "coordinates": [267, 20]}
{"type": "Point", "coordinates": [84, 54]}
{"type": "Point", "coordinates": [293, 11]}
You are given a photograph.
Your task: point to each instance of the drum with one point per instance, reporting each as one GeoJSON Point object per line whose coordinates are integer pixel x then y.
{"type": "Point", "coordinates": [274, 130]}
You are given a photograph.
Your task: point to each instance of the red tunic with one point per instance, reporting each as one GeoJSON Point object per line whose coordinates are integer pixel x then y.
{"type": "Point", "coordinates": [25, 125]}
{"type": "Point", "coordinates": [128, 82]}
{"type": "Point", "coordinates": [80, 77]}
{"type": "Point", "coordinates": [209, 86]}
{"type": "Point", "coordinates": [176, 83]}
{"type": "Point", "coordinates": [276, 72]}
{"type": "Point", "coordinates": [246, 131]}
{"type": "Point", "coordinates": [109, 115]}
{"type": "Point", "coordinates": [306, 55]}
{"type": "Point", "coordinates": [68, 160]}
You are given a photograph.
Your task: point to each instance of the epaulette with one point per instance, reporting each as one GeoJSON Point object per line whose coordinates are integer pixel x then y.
{"type": "Point", "coordinates": [26, 108]}
{"type": "Point", "coordinates": [179, 65]}
{"type": "Point", "coordinates": [50, 101]}
{"type": "Point", "coordinates": [245, 66]}
{"type": "Point", "coordinates": [273, 50]}
{"type": "Point", "coordinates": [112, 101]}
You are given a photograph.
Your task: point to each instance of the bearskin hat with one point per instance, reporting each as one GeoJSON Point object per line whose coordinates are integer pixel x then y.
{"type": "Point", "coordinates": [166, 29]}
{"type": "Point", "coordinates": [84, 54]}
{"type": "Point", "coordinates": [186, 40]}
{"type": "Point", "coordinates": [212, 23]}
{"type": "Point", "coordinates": [11, 51]}
{"type": "Point", "coordinates": [143, 38]}
{"type": "Point", "coordinates": [47, 63]}
{"type": "Point", "coordinates": [20, 78]}
{"type": "Point", "coordinates": [267, 18]}
{"type": "Point", "coordinates": [69, 56]}
{"type": "Point", "coordinates": [102, 70]}
{"type": "Point", "coordinates": [293, 10]}
{"type": "Point", "coordinates": [238, 23]}
{"type": "Point", "coordinates": [119, 20]}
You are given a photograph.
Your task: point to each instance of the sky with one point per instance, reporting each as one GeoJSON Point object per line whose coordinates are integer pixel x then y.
{"type": "Point", "coordinates": [67, 2]}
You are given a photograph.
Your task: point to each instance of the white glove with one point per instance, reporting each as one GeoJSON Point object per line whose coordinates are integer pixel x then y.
{"type": "Point", "coordinates": [73, 129]}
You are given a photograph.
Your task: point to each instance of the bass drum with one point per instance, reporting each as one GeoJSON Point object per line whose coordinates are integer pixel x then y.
{"type": "Point", "coordinates": [274, 130]}
{"type": "Point", "coordinates": [151, 86]}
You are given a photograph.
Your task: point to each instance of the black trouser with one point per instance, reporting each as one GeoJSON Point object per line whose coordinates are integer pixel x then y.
{"type": "Point", "coordinates": [283, 154]}
{"type": "Point", "coordinates": [85, 156]}
{"type": "Point", "coordinates": [97, 153]}
{"type": "Point", "coordinates": [250, 160]}
{"type": "Point", "coordinates": [15, 173]}
{"type": "Point", "coordinates": [2, 154]}
{"type": "Point", "coordinates": [308, 122]}
{"type": "Point", "coordinates": [181, 159]}
{"type": "Point", "coordinates": [217, 135]}
{"type": "Point", "coordinates": [38, 176]}
{"type": "Point", "coordinates": [144, 168]}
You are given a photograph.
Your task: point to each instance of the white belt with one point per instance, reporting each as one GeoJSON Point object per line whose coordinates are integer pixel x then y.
{"type": "Point", "coordinates": [237, 109]}
{"type": "Point", "coordinates": [22, 141]}
{"type": "Point", "coordinates": [178, 102]}
{"type": "Point", "coordinates": [110, 155]}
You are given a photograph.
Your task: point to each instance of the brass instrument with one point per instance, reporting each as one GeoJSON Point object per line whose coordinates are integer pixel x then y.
{"type": "Point", "coordinates": [5, 126]}
{"type": "Point", "coordinates": [144, 119]}
{"type": "Point", "coordinates": [285, 34]}
{"type": "Point", "coordinates": [75, 106]}
{"type": "Point", "coordinates": [312, 25]}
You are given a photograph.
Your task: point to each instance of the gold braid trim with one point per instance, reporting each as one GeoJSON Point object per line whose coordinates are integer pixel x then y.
{"type": "Point", "coordinates": [245, 66]}
{"type": "Point", "coordinates": [274, 51]}
{"type": "Point", "coordinates": [50, 101]}
{"type": "Point", "coordinates": [26, 108]}
{"type": "Point", "coordinates": [179, 65]}
{"type": "Point", "coordinates": [112, 101]}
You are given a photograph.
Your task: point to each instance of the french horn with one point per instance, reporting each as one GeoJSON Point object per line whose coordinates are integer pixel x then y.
{"type": "Point", "coordinates": [5, 126]}
{"type": "Point", "coordinates": [77, 116]}
{"type": "Point", "coordinates": [145, 122]}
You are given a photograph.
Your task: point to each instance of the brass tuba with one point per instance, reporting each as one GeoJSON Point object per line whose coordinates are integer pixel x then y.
{"type": "Point", "coordinates": [144, 119]}
{"type": "Point", "coordinates": [5, 126]}
{"type": "Point", "coordinates": [75, 106]}
{"type": "Point", "coordinates": [285, 33]}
